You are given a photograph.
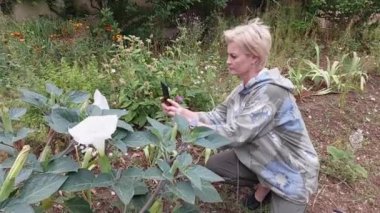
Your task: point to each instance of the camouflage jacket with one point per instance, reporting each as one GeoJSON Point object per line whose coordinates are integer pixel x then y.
{"type": "Point", "coordinates": [268, 135]}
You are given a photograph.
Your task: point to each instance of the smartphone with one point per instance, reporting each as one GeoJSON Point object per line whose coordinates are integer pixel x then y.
{"type": "Point", "coordinates": [165, 93]}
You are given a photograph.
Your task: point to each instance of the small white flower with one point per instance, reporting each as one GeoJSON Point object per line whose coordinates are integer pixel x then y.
{"type": "Point", "coordinates": [95, 130]}
{"type": "Point", "coordinates": [100, 100]}
{"type": "Point", "coordinates": [110, 154]}
{"type": "Point", "coordinates": [113, 70]}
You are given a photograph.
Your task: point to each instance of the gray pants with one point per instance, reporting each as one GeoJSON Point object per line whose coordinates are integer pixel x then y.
{"type": "Point", "coordinates": [227, 165]}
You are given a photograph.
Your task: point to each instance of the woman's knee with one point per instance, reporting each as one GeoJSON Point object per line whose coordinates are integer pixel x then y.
{"type": "Point", "coordinates": [212, 164]}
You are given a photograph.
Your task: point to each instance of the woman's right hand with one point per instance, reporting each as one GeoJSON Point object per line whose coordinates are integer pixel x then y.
{"type": "Point", "coordinates": [172, 108]}
{"type": "Point", "coordinates": [176, 109]}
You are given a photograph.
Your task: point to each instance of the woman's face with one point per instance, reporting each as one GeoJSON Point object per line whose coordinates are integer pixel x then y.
{"type": "Point", "coordinates": [239, 62]}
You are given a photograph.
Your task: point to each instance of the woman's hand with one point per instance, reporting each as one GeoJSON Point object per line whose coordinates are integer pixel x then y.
{"type": "Point", "coordinates": [176, 109]}
{"type": "Point", "coordinates": [172, 109]}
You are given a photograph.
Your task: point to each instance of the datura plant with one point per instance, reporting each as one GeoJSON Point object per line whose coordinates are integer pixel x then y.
{"type": "Point", "coordinates": [31, 183]}
{"type": "Point", "coordinates": [95, 130]}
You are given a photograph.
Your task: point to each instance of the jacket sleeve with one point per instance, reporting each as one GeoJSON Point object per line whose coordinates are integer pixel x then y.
{"type": "Point", "coordinates": [254, 120]}
{"type": "Point", "coordinates": [215, 117]}
{"type": "Point", "coordinates": [218, 115]}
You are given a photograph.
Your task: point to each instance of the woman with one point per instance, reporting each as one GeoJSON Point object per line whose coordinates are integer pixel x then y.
{"type": "Point", "coordinates": [260, 117]}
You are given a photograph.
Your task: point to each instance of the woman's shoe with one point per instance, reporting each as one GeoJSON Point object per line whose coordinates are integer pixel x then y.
{"type": "Point", "coordinates": [251, 203]}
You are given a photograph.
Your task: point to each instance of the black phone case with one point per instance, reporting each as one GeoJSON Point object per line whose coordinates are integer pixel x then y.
{"type": "Point", "coordinates": [165, 90]}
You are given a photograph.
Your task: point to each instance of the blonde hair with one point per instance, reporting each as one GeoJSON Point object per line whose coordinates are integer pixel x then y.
{"type": "Point", "coordinates": [253, 37]}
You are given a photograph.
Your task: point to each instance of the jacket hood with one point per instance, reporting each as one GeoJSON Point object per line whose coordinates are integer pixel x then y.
{"type": "Point", "coordinates": [268, 76]}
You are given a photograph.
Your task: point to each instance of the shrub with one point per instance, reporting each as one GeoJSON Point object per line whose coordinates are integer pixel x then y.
{"type": "Point", "coordinates": [341, 164]}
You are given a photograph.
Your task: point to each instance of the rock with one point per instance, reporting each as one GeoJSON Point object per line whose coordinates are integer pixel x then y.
{"type": "Point", "coordinates": [356, 139]}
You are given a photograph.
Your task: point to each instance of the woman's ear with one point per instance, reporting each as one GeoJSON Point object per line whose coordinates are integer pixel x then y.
{"type": "Point", "coordinates": [255, 60]}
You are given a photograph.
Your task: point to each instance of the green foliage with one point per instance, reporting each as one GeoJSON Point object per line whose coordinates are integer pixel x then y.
{"type": "Point", "coordinates": [157, 15]}
{"type": "Point", "coordinates": [341, 164]}
{"type": "Point", "coordinates": [371, 37]}
{"type": "Point", "coordinates": [31, 49]}
{"type": "Point", "coordinates": [339, 76]}
{"type": "Point", "coordinates": [139, 73]}
{"type": "Point", "coordinates": [345, 8]}
{"type": "Point", "coordinates": [42, 178]}
{"type": "Point", "coordinates": [8, 134]}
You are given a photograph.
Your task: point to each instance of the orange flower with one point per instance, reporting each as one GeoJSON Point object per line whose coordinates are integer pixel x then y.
{"type": "Point", "coordinates": [16, 34]}
{"type": "Point", "coordinates": [117, 38]}
{"type": "Point", "coordinates": [108, 27]}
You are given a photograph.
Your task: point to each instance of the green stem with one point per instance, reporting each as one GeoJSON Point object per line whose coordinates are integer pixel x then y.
{"type": "Point", "coordinates": [8, 184]}
{"type": "Point", "coordinates": [105, 164]}
{"type": "Point", "coordinates": [161, 184]}
{"type": "Point", "coordinates": [6, 119]}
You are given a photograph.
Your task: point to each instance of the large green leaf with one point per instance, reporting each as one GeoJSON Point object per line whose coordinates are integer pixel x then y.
{"type": "Point", "coordinates": [9, 150]}
{"type": "Point", "coordinates": [194, 178]}
{"type": "Point", "coordinates": [24, 174]}
{"type": "Point", "coordinates": [78, 205]}
{"type": "Point", "coordinates": [16, 113]}
{"type": "Point", "coordinates": [165, 168]}
{"type": "Point", "coordinates": [124, 125]}
{"type": "Point", "coordinates": [40, 187]}
{"type": "Point", "coordinates": [201, 132]}
{"type": "Point", "coordinates": [53, 90]}
{"type": "Point", "coordinates": [61, 119]}
{"type": "Point", "coordinates": [78, 97]}
{"type": "Point", "coordinates": [124, 189]}
{"type": "Point", "coordinates": [31, 162]}
{"type": "Point", "coordinates": [93, 110]}
{"type": "Point", "coordinates": [161, 129]}
{"type": "Point", "coordinates": [21, 134]}
{"type": "Point", "coordinates": [186, 208]}
{"type": "Point", "coordinates": [140, 188]}
{"type": "Point", "coordinates": [183, 124]}
{"type": "Point", "coordinates": [62, 165]}
{"type": "Point", "coordinates": [183, 160]}
{"type": "Point", "coordinates": [33, 98]}
{"type": "Point", "coordinates": [6, 137]}
{"type": "Point", "coordinates": [84, 179]}
{"type": "Point", "coordinates": [204, 173]}
{"type": "Point", "coordinates": [119, 144]}
{"type": "Point", "coordinates": [117, 140]}
{"type": "Point", "coordinates": [139, 139]}
{"type": "Point", "coordinates": [153, 173]}
{"type": "Point", "coordinates": [208, 193]}
{"type": "Point", "coordinates": [19, 208]}
{"type": "Point", "coordinates": [133, 172]}
{"type": "Point", "coordinates": [212, 141]}
{"type": "Point", "coordinates": [10, 138]}
{"type": "Point", "coordinates": [2, 176]}
{"type": "Point", "coordinates": [183, 190]}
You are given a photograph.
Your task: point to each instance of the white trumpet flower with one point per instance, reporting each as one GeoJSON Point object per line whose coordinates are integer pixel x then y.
{"type": "Point", "coordinates": [100, 100]}
{"type": "Point", "coordinates": [95, 130]}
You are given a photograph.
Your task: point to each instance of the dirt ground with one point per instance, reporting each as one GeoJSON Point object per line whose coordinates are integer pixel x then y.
{"type": "Point", "coordinates": [331, 120]}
